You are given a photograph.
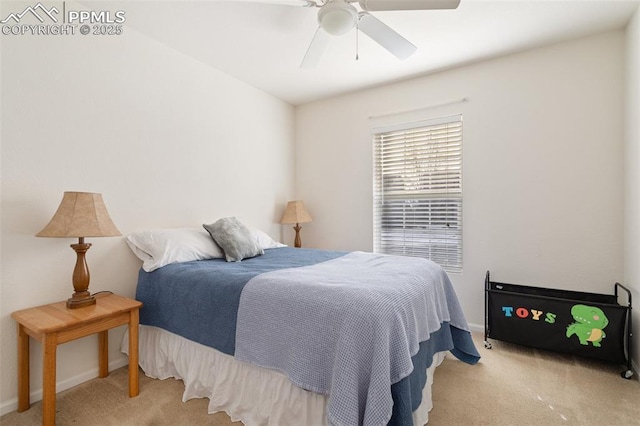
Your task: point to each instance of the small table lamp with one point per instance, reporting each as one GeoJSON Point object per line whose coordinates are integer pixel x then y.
{"type": "Point", "coordinates": [296, 213]}
{"type": "Point", "coordinates": [80, 214]}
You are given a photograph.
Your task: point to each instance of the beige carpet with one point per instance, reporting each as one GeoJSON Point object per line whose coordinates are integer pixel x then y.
{"type": "Point", "coordinates": [511, 385]}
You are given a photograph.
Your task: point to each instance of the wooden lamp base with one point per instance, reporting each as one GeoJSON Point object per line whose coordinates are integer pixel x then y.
{"type": "Point", "coordinates": [80, 300]}
{"type": "Point", "coordinates": [81, 296]}
{"type": "Point", "coordinates": [297, 243]}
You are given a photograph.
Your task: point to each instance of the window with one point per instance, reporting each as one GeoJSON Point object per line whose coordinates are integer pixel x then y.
{"type": "Point", "coordinates": [418, 191]}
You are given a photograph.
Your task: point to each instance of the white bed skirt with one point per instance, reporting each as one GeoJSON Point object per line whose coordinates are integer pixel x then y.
{"type": "Point", "coordinates": [253, 395]}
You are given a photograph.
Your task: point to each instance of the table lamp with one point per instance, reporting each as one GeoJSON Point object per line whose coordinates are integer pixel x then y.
{"type": "Point", "coordinates": [296, 213]}
{"type": "Point", "coordinates": [80, 215]}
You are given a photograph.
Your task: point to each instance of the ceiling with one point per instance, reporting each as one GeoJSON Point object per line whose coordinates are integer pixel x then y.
{"type": "Point", "coordinates": [262, 42]}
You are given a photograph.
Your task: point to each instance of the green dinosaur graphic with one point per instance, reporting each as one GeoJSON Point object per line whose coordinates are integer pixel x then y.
{"type": "Point", "coordinates": [590, 324]}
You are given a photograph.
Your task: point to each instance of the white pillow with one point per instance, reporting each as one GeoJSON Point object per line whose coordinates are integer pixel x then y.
{"type": "Point", "coordinates": [265, 241]}
{"type": "Point", "coordinates": [159, 247]}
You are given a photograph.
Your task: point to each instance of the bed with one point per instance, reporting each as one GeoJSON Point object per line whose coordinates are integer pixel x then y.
{"type": "Point", "coordinates": [301, 336]}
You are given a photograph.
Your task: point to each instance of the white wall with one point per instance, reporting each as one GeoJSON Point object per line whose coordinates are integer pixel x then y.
{"type": "Point", "coordinates": [542, 176]}
{"type": "Point", "coordinates": [632, 174]}
{"type": "Point", "coordinates": [166, 139]}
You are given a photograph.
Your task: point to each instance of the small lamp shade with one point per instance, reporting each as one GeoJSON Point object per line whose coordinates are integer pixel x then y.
{"type": "Point", "coordinates": [296, 213]}
{"type": "Point", "coordinates": [80, 214]}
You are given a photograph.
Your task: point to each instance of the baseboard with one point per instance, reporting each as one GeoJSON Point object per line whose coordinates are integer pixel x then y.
{"type": "Point", "coordinates": [478, 328]}
{"type": "Point", "coordinates": [12, 404]}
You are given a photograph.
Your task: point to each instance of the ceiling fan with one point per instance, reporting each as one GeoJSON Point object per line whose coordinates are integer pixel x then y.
{"type": "Point", "coordinates": [337, 17]}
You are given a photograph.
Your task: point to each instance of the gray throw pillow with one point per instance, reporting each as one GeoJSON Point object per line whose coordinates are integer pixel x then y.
{"type": "Point", "coordinates": [234, 238]}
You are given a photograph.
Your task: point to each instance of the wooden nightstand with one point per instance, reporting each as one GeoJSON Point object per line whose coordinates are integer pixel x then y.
{"type": "Point", "coordinates": [55, 324]}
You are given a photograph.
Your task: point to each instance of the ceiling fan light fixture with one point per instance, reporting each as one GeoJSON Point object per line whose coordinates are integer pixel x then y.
{"type": "Point", "coordinates": [337, 17]}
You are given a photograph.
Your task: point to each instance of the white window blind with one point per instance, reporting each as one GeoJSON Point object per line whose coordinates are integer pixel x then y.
{"type": "Point", "coordinates": [418, 191]}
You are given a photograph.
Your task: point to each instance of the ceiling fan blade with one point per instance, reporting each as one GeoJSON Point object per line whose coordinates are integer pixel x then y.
{"type": "Point", "coordinates": [386, 37]}
{"type": "Point", "coordinates": [316, 49]}
{"type": "Point", "coordinates": [302, 3]}
{"type": "Point", "coordinates": [408, 4]}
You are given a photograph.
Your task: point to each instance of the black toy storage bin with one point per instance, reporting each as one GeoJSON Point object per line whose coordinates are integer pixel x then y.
{"type": "Point", "coordinates": [584, 324]}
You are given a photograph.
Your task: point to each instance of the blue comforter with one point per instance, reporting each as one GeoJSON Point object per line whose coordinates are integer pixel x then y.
{"type": "Point", "coordinates": [199, 300]}
{"type": "Point", "coordinates": [209, 302]}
